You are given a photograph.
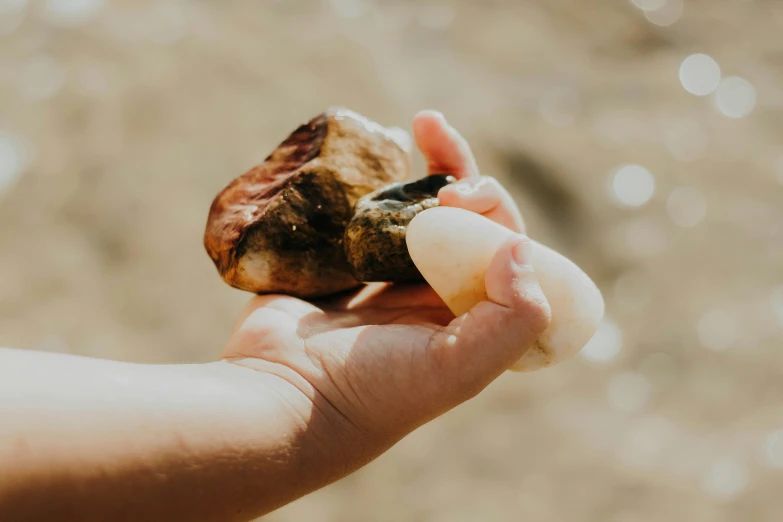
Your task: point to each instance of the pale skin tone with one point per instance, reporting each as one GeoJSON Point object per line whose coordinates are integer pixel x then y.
{"type": "Point", "coordinates": [304, 393]}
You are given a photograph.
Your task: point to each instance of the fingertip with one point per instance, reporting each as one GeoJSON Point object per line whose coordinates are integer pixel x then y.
{"type": "Point", "coordinates": [427, 123]}
{"type": "Point", "coordinates": [445, 149]}
{"type": "Point", "coordinates": [429, 115]}
{"type": "Point", "coordinates": [511, 281]}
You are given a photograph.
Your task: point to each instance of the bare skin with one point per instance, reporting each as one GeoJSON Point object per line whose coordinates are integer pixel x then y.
{"type": "Point", "coordinates": [304, 393]}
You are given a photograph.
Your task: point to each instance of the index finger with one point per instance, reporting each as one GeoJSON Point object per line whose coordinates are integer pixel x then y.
{"type": "Point", "coordinates": [445, 149]}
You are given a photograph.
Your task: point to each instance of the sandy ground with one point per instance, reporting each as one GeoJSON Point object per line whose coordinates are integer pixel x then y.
{"type": "Point", "coordinates": [119, 124]}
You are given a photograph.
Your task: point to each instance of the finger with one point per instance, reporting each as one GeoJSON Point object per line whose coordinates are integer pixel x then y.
{"type": "Point", "coordinates": [511, 282]}
{"type": "Point", "coordinates": [478, 346]}
{"type": "Point", "coordinates": [444, 149]}
{"type": "Point", "coordinates": [486, 196]}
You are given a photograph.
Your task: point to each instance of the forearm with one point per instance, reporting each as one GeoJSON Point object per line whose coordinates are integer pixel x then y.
{"type": "Point", "coordinates": [87, 439]}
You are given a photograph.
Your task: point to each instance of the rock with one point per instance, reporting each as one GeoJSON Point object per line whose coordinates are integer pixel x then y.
{"type": "Point", "coordinates": [375, 237]}
{"type": "Point", "coordinates": [279, 228]}
{"type": "Point", "coordinates": [453, 247]}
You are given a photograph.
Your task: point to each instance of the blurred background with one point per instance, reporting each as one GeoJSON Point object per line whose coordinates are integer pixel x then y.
{"type": "Point", "coordinates": [642, 138]}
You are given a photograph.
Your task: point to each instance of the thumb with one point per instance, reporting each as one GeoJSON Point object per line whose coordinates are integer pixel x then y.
{"type": "Point", "coordinates": [475, 348]}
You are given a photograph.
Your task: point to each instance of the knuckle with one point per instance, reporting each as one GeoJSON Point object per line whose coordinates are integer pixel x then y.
{"type": "Point", "coordinates": [443, 341]}
{"type": "Point", "coordinates": [438, 352]}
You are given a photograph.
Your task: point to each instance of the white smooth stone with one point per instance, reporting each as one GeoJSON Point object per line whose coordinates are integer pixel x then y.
{"type": "Point", "coordinates": [453, 247]}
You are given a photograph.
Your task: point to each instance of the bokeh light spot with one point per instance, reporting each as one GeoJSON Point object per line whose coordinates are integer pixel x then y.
{"type": "Point", "coordinates": [686, 140]}
{"type": "Point", "coordinates": [71, 12]}
{"type": "Point", "coordinates": [605, 344]}
{"type": "Point", "coordinates": [560, 107]}
{"type": "Point", "coordinates": [644, 237]}
{"type": "Point", "coordinates": [628, 391]}
{"type": "Point", "coordinates": [686, 206]}
{"type": "Point", "coordinates": [435, 15]}
{"type": "Point", "coordinates": [41, 78]}
{"type": "Point", "coordinates": [632, 290]}
{"type": "Point", "coordinates": [633, 185]}
{"type": "Point", "coordinates": [11, 162]}
{"type": "Point", "coordinates": [773, 449]}
{"type": "Point", "coordinates": [661, 368]}
{"type": "Point", "coordinates": [349, 8]}
{"type": "Point", "coordinates": [735, 97]}
{"type": "Point", "coordinates": [649, 5]}
{"type": "Point", "coordinates": [699, 74]}
{"type": "Point", "coordinates": [726, 479]}
{"type": "Point", "coordinates": [718, 330]}
{"type": "Point", "coordinates": [12, 6]}
{"type": "Point", "coordinates": [776, 301]}
{"type": "Point", "coordinates": [667, 15]}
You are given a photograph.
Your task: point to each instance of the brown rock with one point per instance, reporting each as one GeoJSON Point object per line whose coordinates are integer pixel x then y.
{"type": "Point", "coordinates": [279, 228]}
{"type": "Point", "coordinates": [375, 237]}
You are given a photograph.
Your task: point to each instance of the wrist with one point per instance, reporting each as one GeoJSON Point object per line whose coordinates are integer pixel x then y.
{"type": "Point", "coordinates": [325, 444]}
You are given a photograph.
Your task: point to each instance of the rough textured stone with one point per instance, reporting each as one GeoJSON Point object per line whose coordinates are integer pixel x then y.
{"type": "Point", "coordinates": [375, 237]}
{"type": "Point", "coordinates": [279, 227]}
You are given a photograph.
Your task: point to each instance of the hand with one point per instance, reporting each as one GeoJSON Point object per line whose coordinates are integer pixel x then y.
{"type": "Point", "coordinates": [358, 372]}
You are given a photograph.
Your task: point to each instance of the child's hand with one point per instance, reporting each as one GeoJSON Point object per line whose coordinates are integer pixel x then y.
{"type": "Point", "coordinates": [359, 372]}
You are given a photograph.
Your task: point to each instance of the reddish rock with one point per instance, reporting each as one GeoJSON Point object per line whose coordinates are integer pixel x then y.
{"type": "Point", "coordinates": [279, 228]}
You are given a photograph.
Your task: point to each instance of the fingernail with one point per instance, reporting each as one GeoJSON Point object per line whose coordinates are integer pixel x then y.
{"type": "Point", "coordinates": [466, 189]}
{"type": "Point", "coordinates": [448, 126]}
{"type": "Point", "coordinates": [439, 116]}
{"type": "Point", "coordinates": [522, 252]}
{"type": "Point", "coordinates": [470, 186]}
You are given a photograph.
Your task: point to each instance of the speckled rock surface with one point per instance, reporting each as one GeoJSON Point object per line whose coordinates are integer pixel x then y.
{"type": "Point", "coordinates": [375, 237]}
